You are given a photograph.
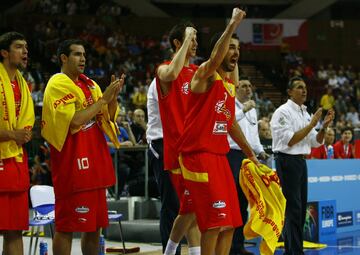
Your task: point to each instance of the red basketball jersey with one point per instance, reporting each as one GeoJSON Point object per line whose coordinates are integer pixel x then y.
{"type": "Point", "coordinates": [14, 176]}
{"type": "Point", "coordinates": [319, 152]}
{"type": "Point", "coordinates": [84, 163]}
{"type": "Point", "coordinates": [209, 118]}
{"type": "Point", "coordinates": [172, 113]}
{"type": "Point", "coordinates": [17, 96]}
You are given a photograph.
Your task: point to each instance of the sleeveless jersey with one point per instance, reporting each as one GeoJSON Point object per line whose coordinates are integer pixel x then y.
{"type": "Point", "coordinates": [173, 112]}
{"type": "Point", "coordinates": [84, 163]}
{"type": "Point", "coordinates": [209, 118]}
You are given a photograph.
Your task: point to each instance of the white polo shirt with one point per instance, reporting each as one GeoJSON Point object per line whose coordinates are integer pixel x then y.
{"type": "Point", "coordinates": [154, 128]}
{"type": "Point", "coordinates": [286, 120]}
{"type": "Point", "coordinates": [249, 126]}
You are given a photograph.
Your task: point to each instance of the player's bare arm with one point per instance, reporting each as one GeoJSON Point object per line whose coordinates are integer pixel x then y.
{"type": "Point", "coordinates": [113, 105]}
{"type": "Point", "coordinates": [238, 136]}
{"type": "Point", "coordinates": [203, 76]}
{"type": "Point", "coordinates": [169, 73]}
{"type": "Point", "coordinates": [83, 116]}
{"type": "Point", "coordinates": [20, 136]}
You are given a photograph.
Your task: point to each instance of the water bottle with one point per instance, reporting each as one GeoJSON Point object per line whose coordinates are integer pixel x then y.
{"type": "Point", "coordinates": [102, 245]}
{"type": "Point", "coordinates": [330, 152]}
{"type": "Point", "coordinates": [43, 248]}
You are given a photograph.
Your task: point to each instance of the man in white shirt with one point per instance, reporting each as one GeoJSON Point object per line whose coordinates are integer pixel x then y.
{"type": "Point", "coordinates": [246, 116]}
{"type": "Point", "coordinates": [293, 136]}
{"type": "Point", "coordinates": [154, 136]}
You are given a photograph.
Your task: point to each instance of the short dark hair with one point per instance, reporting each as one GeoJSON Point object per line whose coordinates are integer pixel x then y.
{"type": "Point", "coordinates": [347, 129]}
{"type": "Point", "coordinates": [64, 48]}
{"type": "Point", "coordinates": [7, 39]}
{"type": "Point", "coordinates": [216, 38]}
{"type": "Point", "coordinates": [178, 32]}
{"type": "Point", "coordinates": [291, 83]}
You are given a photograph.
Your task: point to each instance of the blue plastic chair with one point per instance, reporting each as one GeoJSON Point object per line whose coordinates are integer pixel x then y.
{"type": "Point", "coordinates": [43, 201]}
{"type": "Point", "coordinates": [116, 217]}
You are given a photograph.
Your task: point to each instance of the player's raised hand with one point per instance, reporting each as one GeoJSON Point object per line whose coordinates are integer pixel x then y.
{"type": "Point", "coordinates": [120, 85]}
{"type": "Point", "coordinates": [238, 15]}
{"type": "Point", "coordinates": [110, 91]}
{"type": "Point", "coordinates": [190, 32]}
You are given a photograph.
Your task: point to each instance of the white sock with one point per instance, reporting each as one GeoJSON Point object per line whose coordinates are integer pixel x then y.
{"type": "Point", "coordinates": [171, 248]}
{"type": "Point", "coordinates": [194, 250]}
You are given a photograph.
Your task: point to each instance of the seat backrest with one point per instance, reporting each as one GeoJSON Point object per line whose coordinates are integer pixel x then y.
{"type": "Point", "coordinates": [42, 195]}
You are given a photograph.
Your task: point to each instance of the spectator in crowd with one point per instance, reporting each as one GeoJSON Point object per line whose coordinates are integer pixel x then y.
{"type": "Point", "coordinates": [265, 136]}
{"type": "Point", "coordinates": [350, 74]}
{"type": "Point", "coordinates": [135, 159]}
{"type": "Point", "coordinates": [343, 148]}
{"type": "Point", "coordinates": [308, 72]}
{"type": "Point", "coordinates": [16, 122]}
{"type": "Point", "coordinates": [125, 128]}
{"type": "Point", "coordinates": [246, 117]}
{"type": "Point", "coordinates": [353, 117]}
{"type": "Point", "coordinates": [333, 81]}
{"type": "Point", "coordinates": [342, 79]}
{"type": "Point", "coordinates": [126, 139]}
{"type": "Point", "coordinates": [130, 116]}
{"type": "Point", "coordinates": [139, 98]}
{"type": "Point", "coordinates": [327, 101]}
{"type": "Point", "coordinates": [36, 72]}
{"type": "Point", "coordinates": [37, 94]}
{"type": "Point", "coordinates": [322, 74]}
{"type": "Point", "coordinates": [324, 150]}
{"type": "Point", "coordinates": [341, 123]}
{"type": "Point", "coordinates": [340, 104]}
{"type": "Point", "coordinates": [331, 70]}
{"type": "Point", "coordinates": [138, 126]}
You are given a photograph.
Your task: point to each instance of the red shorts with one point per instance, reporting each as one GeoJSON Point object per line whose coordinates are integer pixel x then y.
{"type": "Point", "coordinates": [185, 200]}
{"type": "Point", "coordinates": [211, 184]}
{"type": "Point", "coordinates": [82, 212]}
{"type": "Point", "coordinates": [14, 210]}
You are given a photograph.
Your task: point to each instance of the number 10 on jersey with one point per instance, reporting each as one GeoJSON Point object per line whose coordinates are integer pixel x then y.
{"type": "Point", "coordinates": [83, 163]}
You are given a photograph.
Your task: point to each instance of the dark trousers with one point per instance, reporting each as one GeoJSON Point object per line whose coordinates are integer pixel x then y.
{"type": "Point", "coordinates": [235, 158]}
{"type": "Point", "coordinates": [169, 200]}
{"type": "Point", "coordinates": [292, 171]}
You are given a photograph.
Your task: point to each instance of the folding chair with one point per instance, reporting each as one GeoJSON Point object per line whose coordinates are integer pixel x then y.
{"type": "Point", "coordinates": [116, 217]}
{"type": "Point", "coordinates": [43, 202]}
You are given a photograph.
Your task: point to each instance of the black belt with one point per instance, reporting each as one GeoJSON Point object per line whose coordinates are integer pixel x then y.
{"type": "Point", "coordinates": [303, 156]}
